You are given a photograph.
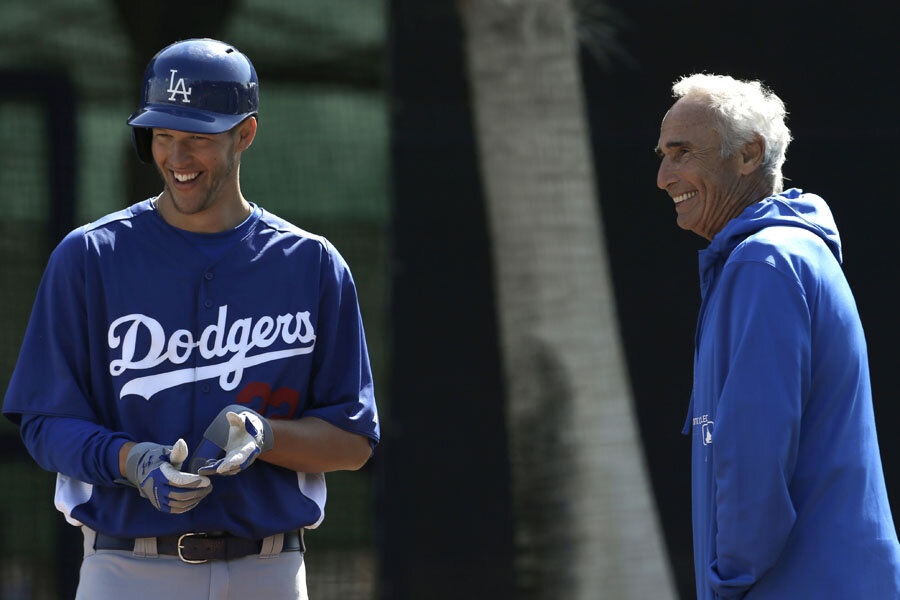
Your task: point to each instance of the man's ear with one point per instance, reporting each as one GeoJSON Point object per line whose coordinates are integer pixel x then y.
{"type": "Point", "coordinates": [246, 131]}
{"type": "Point", "coordinates": [752, 154]}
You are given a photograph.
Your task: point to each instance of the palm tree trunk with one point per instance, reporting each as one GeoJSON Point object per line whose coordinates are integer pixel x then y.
{"type": "Point", "coordinates": [586, 523]}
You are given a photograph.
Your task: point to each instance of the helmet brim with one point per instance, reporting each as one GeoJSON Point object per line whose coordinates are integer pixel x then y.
{"type": "Point", "coordinates": [184, 119]}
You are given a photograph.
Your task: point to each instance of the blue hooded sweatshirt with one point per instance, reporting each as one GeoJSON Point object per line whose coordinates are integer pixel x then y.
{"type": "Point", "coordinates": [789, 499]}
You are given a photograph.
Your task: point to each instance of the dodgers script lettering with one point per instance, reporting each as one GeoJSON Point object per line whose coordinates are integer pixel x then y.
{"type": "Point", "coordinates": [243, 335]}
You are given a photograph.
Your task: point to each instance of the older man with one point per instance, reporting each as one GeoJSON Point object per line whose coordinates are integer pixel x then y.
{"type": "Point", "coordinates": [789, 499]}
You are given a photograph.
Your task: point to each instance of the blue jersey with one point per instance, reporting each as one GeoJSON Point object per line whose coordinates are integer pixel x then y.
{"type": "Point", "coordinates": [140, 329]}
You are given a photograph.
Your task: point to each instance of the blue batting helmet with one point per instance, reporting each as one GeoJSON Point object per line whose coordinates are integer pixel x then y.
{"type": "Point", "coordinates": [198, 85]}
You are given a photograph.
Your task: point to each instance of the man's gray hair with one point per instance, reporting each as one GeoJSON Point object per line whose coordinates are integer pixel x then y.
{"type": "Point", "coordinates": [742, 109]}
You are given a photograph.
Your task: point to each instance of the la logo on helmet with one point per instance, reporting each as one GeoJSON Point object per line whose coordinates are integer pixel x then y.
{"type": "Point", "coordinates": [179, 88]}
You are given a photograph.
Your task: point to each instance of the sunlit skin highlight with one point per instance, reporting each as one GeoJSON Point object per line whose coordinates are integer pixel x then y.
{"type": "Point", "coordinates": [709, 190]}
{"type": "Point", "coordinates": [211, 201]}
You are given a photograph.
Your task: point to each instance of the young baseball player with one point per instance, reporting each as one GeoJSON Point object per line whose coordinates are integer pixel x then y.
{"type": "Point", "coordinates": [193, 363]}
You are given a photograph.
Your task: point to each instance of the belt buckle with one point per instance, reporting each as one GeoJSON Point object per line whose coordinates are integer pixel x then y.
{"type": "Point", "coordinates": [179, 548]}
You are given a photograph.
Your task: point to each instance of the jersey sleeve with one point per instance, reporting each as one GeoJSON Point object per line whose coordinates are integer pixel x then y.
{"type": "Point", "coordinates": [341, 390]}
{"type": "Point", "coordinates": [80, 449]}
{"type": "Point", "coordinates": [766, 337]}
{"type": "Point", "coordinates": [52, 374]}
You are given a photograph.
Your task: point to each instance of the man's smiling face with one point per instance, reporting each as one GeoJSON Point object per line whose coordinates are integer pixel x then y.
{"type": "Point", "coordinates": [693, 171]}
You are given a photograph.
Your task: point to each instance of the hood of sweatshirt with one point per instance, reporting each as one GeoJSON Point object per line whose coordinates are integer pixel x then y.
{"type": "Point", "coordinates": [791, 208]}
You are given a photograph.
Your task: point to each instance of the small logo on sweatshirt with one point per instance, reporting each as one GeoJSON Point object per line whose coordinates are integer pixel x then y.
{"type": "Point", "coordinates": [706, 428]}
{"type": "Point", "coordinates": [706, 432]}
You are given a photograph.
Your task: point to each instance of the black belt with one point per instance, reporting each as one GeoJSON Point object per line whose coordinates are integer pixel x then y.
{"type": "Point", "coordinates": [201, 547]}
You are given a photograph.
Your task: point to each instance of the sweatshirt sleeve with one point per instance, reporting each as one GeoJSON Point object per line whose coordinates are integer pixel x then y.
{"type": "Point", "coordinates": [765, 336]}
{"type": "Point", "coordinates": [80, 449]}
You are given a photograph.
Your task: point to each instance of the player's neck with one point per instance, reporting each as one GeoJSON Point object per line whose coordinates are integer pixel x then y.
{"type": "Point", "coordinates": [222, 213]}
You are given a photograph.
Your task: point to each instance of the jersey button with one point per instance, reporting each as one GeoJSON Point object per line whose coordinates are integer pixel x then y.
{"type": "Point", "coordinates": [208, 275]}
{"type": "Point", "coordinates": [205, 388]}
{"type": "Point", "coordinates": [208, 304]}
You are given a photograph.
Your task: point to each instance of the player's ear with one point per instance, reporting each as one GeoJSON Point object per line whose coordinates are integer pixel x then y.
{"type": "Point", "coordinates": [246, 131]}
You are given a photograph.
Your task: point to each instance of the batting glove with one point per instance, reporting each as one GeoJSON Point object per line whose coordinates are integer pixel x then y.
{"type": "Point", "coordinates": [154, 470]}
{"type": "Point", "coordinates": [232, 442]}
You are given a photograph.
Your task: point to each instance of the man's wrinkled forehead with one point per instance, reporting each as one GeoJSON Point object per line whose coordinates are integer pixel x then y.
{"type": "Point", "coordinates": [688, 120]}
{"type": "Point", "coordinates": [689, 112]}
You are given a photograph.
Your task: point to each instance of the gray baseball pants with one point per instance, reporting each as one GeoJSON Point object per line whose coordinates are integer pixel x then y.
{"type": "Point", "coordinates": [146, 575]}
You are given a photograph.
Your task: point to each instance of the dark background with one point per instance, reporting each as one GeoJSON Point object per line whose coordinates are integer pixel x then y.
{"type": "Point", "coordinates": [832, 64]}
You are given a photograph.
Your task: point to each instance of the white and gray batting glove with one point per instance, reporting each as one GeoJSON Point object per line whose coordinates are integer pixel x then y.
{"type": "Point", "coordinates": [232, 442]}
{"type": "Point", "coordinates": [154, 470]}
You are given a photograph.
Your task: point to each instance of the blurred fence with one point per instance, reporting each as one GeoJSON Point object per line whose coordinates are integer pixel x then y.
{"type": "Point", "coordinates": [70, 76]}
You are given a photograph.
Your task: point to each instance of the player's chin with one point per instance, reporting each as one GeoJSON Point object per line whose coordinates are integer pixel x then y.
{"type": "Point", "coordinates": [188, 203]}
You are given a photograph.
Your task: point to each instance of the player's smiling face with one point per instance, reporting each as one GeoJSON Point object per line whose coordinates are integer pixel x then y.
{"type": "Point", "coordinates": [199, 169]}
{"type": "Point", "coordinates": [705, 186]}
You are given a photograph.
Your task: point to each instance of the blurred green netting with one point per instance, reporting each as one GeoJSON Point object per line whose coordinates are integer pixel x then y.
{"type": "Point", "coordinates": [103, 152]}
{"type": "Point", "coordinates": [23, 236]}
{"type": "Point", "coordinates": [319, 160]}
{"type": "Point", "coordinates": [23, 151]}
{"type": "Point", "coordinates": [298, 164]}
{"type": "Point", "coordinates": [26, 509]}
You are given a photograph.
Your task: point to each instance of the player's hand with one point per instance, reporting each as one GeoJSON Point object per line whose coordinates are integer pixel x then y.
{"type": "Point", "coordinates": [154, 470]}
{"type": "Point", "coordinates": [233, 441]}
